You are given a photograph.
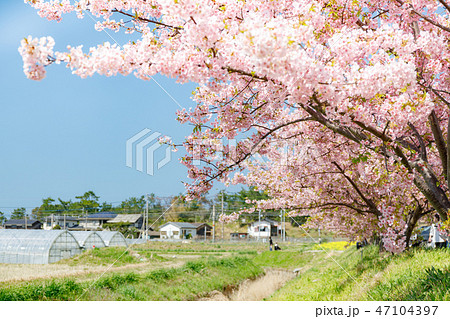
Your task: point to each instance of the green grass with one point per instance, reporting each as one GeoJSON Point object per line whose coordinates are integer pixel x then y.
{"type": "Point", "coordinates": [119, 256]}
{"type": "Point", "coordinates": [284, 259]}
{"type": "Point", "coordinates": [103, 256]}
{"type": "Point", "coordinates": [415, 275]}
{"type": "Point", "coordinates": [188, 282]}
{"type": "Point", "coordinates": [325, 275]}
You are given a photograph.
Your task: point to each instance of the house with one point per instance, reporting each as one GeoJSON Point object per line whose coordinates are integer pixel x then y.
{"type": "Point", "coordinates": [238, 236]}
{"type": "Point", "coordinates": [264, 229]}
{"type": "Point", "coordinates": [22, 224]}
{"type": "Point", "coordinates": [95, 221]}
{"type": "Point", "coordinates": [203, 230]}
{"type": "Point", "coordinates": [429, 236]}
{"type": "Point", "coordinates": [177, 230]}
{"type": "Point", "coordinates": [64, 222]}
{"type": "Point", "coordinates": [131, 220]}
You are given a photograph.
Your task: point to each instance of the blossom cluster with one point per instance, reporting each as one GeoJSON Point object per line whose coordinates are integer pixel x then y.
{"type": "Point", "coordinates": [352, 92]}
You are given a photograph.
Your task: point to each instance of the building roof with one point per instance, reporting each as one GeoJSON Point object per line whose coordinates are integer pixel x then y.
{"type": "Point", "coordinates": [265, 222]}
{"type": "Point", "coordinates": [125, 218]}
{"type": "Point", "coordinates": [99, 215]}
{"type": "Point", "coordinates": [180, 225]}
{"type": "Point", "coordinates": [21, 222]}
{"type": "Point", "coordinates": [273, 222]}
{"type": "Point", "coordinates": [199, 225]}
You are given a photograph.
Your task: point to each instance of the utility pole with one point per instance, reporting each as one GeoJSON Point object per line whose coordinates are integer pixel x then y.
{"type": "Point", "coordinates": [213, 222]}
{"type": "Point", "coordinates": [64, 221]}
{"type": "Point", "coordinates": [26, 227]}
{"type": "Point", "coordinates": [223, 230]}
{"type": "Point", "coordinates": [283, 225]}
{"type": "Point", "coordinates": [85, 220]}
{"type": "Point", "coordinates": [259, 225]}
{"type": "Point", "coordinates": [146, 217]}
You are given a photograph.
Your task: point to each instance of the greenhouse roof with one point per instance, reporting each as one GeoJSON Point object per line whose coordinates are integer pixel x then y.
{"type": "Point", "coordinates": [108, 236]}
{"type": "Point", "coordinates": [83, 236]}
{"type": "Point", "coordinates": [35, 246]}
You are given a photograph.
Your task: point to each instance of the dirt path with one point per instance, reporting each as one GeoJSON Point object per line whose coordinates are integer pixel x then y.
{"type": "Point", "coordinates": [256, 289]}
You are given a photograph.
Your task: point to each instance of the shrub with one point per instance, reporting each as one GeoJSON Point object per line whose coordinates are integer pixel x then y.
{"type": "Point", "coordinates": [162, 274]}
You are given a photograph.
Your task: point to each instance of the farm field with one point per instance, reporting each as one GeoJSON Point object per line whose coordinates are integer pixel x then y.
{"type": "Point", "coordinates": [233, 271]}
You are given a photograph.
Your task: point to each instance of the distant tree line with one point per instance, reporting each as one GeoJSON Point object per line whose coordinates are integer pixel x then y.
{"type": "Point", "coordinates": [175, 208]}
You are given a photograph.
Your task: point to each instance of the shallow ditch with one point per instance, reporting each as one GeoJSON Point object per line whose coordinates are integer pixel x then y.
{"type": "Point", "coordinates": [253, 289]}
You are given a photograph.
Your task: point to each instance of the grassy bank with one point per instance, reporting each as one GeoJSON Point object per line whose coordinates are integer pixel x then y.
{"type": "Point", "coordinates": [184, 283]}
{"type": "Point", "coordinates": [416, 275]}
{"type": "Point", "coordinates": [186, 271]}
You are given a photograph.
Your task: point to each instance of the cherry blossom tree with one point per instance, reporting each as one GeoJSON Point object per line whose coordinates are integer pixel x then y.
{"type": "Point", "coordinates": [342, 188]}
{"type": "Point", "coordinates": [373, 75]}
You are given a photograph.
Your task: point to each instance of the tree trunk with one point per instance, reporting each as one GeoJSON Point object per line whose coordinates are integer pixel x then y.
{"type": "Point", "coordinates": [411, 222]}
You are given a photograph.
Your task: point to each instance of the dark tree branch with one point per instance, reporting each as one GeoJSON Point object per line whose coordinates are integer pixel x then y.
{"type": "Point", "coordinates": [332, 204]}
{"type": "Point", "coordinates": [254, 76]}
{"type": "Point", "coordinates": [429, 186]}
{"type": "Point", "coordinates": [368, 201]}
{"type": "Point", "coordinates": [439, 140]}
{"type": "Point", "coordinates": [347, 132]}
{"type": "Point", "coordinates": [445, 4]}
{"type": "Point", "coordinates": [448, 153]}
{"type": "Point", "coordinates": [436, 24]}
{"type": "Point", "coordinates": [146, 20]}
{"type": "Point", "coordinates": [422, 148]}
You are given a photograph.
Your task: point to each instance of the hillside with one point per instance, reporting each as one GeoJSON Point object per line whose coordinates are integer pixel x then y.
{"type": "Point", "coordinates": [333, 275]}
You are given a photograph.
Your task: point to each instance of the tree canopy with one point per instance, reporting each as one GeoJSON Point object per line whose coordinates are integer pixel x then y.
{"type": "Point", "coordinates": [361, 87]}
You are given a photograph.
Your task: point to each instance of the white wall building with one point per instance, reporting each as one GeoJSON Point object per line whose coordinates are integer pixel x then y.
{"type": "Point", "coordinates": [264, 229]}
{"type": "Point", "coordinates": [65, 222]}
{"type": "Point", "coordinates": [175, 230]}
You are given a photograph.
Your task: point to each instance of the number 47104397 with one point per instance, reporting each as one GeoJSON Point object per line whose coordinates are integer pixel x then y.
{"type": "Point", "coordinates": [407, 310]}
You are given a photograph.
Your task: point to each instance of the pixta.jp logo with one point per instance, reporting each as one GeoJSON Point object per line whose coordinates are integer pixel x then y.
{"type": "Point", "coordinates": [141, 148]}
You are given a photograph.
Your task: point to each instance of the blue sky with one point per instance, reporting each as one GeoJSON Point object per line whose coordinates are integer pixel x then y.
{"type": "Point", "coordinates": [64, 135]}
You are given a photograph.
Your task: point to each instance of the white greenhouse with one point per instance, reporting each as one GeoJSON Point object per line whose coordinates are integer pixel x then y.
{"type": "Point", "coordinates": [88, 239]}
{"type": "Point", "coordinates": [21, 246]}
{"type": "Point", "coordinates": [113, 238]}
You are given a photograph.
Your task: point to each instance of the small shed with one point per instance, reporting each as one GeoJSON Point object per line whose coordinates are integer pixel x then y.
{"type": "Point", "coordinates": [21, 246]}
{"type": "Point", "coordinates": [88, 239]}
{"type": "Point", "coordinates": [203, 230]}
{"type": "Point", "coordinates": [22, 224]}
{"type": "Point", "coordinates": [238, 236]}
{"type": "Point", "coordinates": [112, 238]}
{"type": "Point", "coordinates": [178, 230]}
